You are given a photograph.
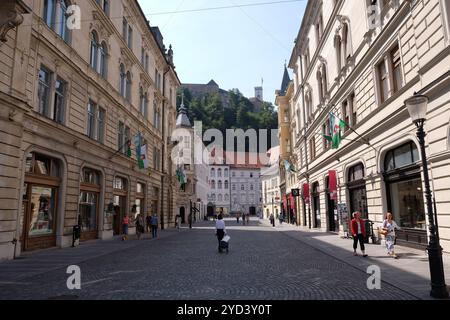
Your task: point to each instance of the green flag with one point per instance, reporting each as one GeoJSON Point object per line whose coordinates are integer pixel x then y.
{"type": "Point", "coordinates": [336, 125]}
{"type": "Point", "coordinates": [138, 144]}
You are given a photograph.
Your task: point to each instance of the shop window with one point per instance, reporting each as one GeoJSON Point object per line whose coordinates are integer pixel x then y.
{"type": "Point", "coordinates": [42, 165]}
{"type": "Point", "coordinates": [404, 155]}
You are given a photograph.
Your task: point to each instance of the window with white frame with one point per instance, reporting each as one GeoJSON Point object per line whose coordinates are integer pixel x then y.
{"type": "Point", "coordinates": [51, 95]}
{"type": "Point", "coordinates": [55, 16]}
{"type": "Point", "coordinates": [389, 74]}
{"type": "Point", "coordinates": [95, 128]}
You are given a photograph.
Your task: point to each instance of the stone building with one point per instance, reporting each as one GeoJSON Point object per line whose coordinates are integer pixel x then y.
{"type": "Point", "coordinates": [270, 181]}
{"type": "Point", "coordinates": [78, 107]}
{"type": "Point", "coordinates": [219, 183]}
{"type": "Point", "coordinates": [360, 60]}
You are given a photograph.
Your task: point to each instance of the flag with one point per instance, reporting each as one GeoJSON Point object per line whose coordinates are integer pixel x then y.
{"type": "Point", "coordinates": [289, 167]}
{"type": "Point", "coordinates": [332, 184]}
{"type": "Point", "coordinates": [336, 126]}
{"type": "Point", "coordinates": [129, 148]}
{"type": "Point", "coordinates": [181, 176]}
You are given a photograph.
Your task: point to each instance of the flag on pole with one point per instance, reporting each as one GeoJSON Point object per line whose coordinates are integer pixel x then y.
{"type": "Point", "coordinates": [181, 176]}
{"type": "Point", "coordinates": [144, 156]}
{"type": "Point", "coordinates": [289, 167]}
{"type": "Point", "coordinates": [336, 126]}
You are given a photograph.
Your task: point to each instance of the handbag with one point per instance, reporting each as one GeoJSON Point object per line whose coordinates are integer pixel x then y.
{"type": "Point", "coordinates": [384, 232]}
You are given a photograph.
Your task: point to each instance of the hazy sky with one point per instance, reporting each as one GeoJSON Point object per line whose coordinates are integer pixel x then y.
{"type": "Point", "coordinates": [236, 47]}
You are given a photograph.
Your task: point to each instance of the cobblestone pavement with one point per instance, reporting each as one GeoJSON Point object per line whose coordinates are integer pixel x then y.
{"type": "Point", "coordinates": [263, 264]}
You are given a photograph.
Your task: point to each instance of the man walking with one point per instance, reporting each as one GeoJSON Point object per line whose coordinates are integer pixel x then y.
{"type": "Point", "coordinates": [154, 226]}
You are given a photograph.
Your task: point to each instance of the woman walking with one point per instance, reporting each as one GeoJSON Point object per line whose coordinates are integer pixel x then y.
{"type": "Point", "coordinates": [358, 233]}
{"type": "Point", "coordinates": [125, 223]}
{"type": "Point", "coordinates": [389, 226]}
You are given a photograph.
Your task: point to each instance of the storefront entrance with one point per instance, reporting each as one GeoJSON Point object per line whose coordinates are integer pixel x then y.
{"type": "Point", "coordinates": [120, 204]}
{"type": "Point", "coordinates": [333, 223]}
{"type": "Point", "coordinates": [39, 202]}
{"type": "Point", "coordinates": [405, 195]}
{"type": "Point", "coordinates": [90, 189]}
{"type": "Point", "coordinates": [357, 190]}
{"type": "Point", "coordinates": [316, 205]}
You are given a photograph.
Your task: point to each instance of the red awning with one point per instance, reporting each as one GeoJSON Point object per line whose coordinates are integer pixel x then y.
{"type": "Point", "coordinates": [306, 195]}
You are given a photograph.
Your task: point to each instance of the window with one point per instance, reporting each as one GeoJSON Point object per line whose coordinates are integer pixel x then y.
{"type": "Point", "coordinates": [233, 187]}
{"type": "Point", "coordinates": [251, 187]}
{"type": "Point", "coordinates": [389, 73]}
{"type": "Point", "coordinates": [338, 50]}
{"type": "Point", "coordinates": [124, 139]}
{"type": "Point", "coordinates": [319, 28]}
{"type": "Point", "coordinates": [308, 102]}
{"type": "Point", "coordinates": [95, 122]}
{"type": "Point", "coordinates": [128, 87]}
{"type": "Point", "coordinates": [141, 101]}
{"type": "Point", "coordinates": [142, 56]}
{"type": "Point", "coordinates": [326, 133]}
{"type": "Point", "coordinates": [349, 112]}
{"type": "Point", "coordinates": [213, 172]}
{"type": "Point", "coordinates": [233, 174]}
{"type": "Point", "coordinates": [307, 58]}
{"type": "Point", "coordinates": [219, 185]}
{"type": "Point", "coordinates": [44, 91]}
{"type": "Point", "coordinates": [312, 148]}
{"type": "Point", "coordinates": [213, 184]}
{"type": "Point", "coordinates": [156, 115]}
{"type": "Point", "coordinates": [104, 4]}
{"type": "Point", "coordinates": [219, 173]}
{"type": "Point", "coordinates": [401, 156]}
{"type": "Point", "coordinates": [346, 44]}
{"type": "Point", "coordinates": [213, 197]}
{"type": "Point", "coordinates": [356, 173]}
{"type": "Point", "coordinates": [59, 104]}
{"type": "Point", "coordinates": [322, 82]}
{"type": "Point", "coordinates": [103, 65]}
{"type": "Point", "coordinates": [55, 16]}
{"type": "Point", "coordinates": [123, 81]}
{"type": "Point", "coordinates": [226, 184]}
{"type": "Point", "coordinates": [242, 187]}
{"type": "Point", "coordinates": [219, 198]}
{"type": "Point", "coordinates": [156, 158]}
{"type": "Point", "coordinates": [251, 174]}
{"type": "Point", "coordinates": [227, 198]}
{"type": "Point", "coordinates": [130, 37]}
{"type": "Point", "coordinates": [94, 50]}
{"type": "Point", "coordinates": [124, 28]}
{"type": "Point", "coordinates": [146, 63]}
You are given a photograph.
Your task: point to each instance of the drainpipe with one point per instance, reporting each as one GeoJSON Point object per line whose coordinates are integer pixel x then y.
{"type": "Point", "coordinates": [164, 172]}
{"type": "Point", "coordinates": [304, 137]}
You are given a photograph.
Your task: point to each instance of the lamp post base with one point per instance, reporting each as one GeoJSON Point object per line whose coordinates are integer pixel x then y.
{"type": "Point", "coordinates": [438, 286]}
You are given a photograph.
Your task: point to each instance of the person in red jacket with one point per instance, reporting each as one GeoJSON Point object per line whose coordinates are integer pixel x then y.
{"type": "Point", "coordinates": [358, 233]}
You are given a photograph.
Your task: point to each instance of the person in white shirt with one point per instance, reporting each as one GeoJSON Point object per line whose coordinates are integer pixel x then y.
{"type": "Point", "coordinates": [220, 228]}
{"type": "Point", "coordinates": [389, 225]}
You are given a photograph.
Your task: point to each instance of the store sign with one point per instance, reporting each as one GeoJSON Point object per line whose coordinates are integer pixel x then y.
{"type": "Point", "coordinates": [306, 195]}
{"type": "Point", "coordinates": [332, 184]}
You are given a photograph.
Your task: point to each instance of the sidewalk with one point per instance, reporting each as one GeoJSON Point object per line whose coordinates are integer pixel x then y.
{"type": "Point", "coordinates": [31, 264]}
{"type": "Point", "coordinates": [410, 272]}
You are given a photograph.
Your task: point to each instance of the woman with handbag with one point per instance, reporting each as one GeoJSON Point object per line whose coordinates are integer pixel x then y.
{"type": "Point", "coordinates": [358, 232]}
{"type": "Point", "coordinates": [388, 230]}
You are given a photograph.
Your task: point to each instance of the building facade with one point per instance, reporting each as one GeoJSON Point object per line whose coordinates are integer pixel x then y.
{"type": "Point", "coordinates": [219, 187]}
{"type": "Point", "coordinates": [246, 196]}
{"type": "Point", "coordinates": [270, 181]}
{"type": "Point", "coordinates": [84, 117]}
{"type": "Point", "coordinates": [359, 61]}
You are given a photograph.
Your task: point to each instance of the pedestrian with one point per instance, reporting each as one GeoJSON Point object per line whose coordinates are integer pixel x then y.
{"type": "Point", "coordinates": [220, 229]}
{"type": "Point", "coordinates": [190, 220]}
{"type": "Point", "coordinates": [149, 223]}
{"type": "Point", "coordinates": [248, 218]}
{"type": "Point", "coordinates": [237, 218]}
{"type": "Point", "coordinates": [154, 226]}
{"type": "Point", "coordinates": [140, 229]}
{"type": "Point", "coordinates": [125, 223]}
{"type": "Point", "coordinates": [358, 233]}
{"type": "Point", "coordinates": [280, 217]}
{"type": "Point", "coordinates": [272, 220]}
{"type": "Point", "coordinates": [389, 226]}
{"type": "Point", "coordinates": [243, 219]}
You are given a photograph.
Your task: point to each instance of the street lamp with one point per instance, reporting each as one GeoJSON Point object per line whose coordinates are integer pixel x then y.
{"type": "Point", "coordinates": [417, 108]}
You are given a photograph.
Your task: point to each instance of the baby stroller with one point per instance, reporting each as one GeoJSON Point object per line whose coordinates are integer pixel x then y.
{"type": "Point", "coordinates": [224, 244]}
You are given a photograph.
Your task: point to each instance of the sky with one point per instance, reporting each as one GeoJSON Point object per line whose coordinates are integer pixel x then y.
{"type": "Point", "coordinates": [237, 47]}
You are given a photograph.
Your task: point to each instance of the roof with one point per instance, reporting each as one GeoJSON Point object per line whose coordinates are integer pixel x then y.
{"type": "Point", "coordinates": [182, 118]}
{"type": "Point", "coordinates": [285, 82]}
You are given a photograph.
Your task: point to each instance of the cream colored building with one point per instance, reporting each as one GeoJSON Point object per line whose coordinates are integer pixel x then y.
{"type": "Point", "coordinates": [362, 67]}
{"type": "Point", "coordinates": [71, 105]}
{"type": "Point", "coordinates": [270, 181]}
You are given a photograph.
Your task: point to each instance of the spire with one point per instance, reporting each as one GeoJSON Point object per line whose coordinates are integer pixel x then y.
{"type": "Point", "coordinates": [285, 82]}
{"type": "Point", "coordinates": [183, 119]}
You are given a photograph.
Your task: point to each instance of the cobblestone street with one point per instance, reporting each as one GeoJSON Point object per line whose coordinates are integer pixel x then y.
{"type": "Point", "coordinates": [263, 263]}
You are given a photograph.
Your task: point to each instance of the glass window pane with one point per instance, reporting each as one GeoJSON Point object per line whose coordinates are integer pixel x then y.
{"type": "Point", "coordinates": [29, 163]}
{"type": "Point", "coordinates": [42, 211]}
{"type": "Point", "coordinates": [88, 211]}
{"type": "Point", "coordinates": [58, 112]}
{"type": "Point", "coordinates": [407, 204]}
{"type": "Point", "coordinates": [42, 165]}
{"type": "Point", "coordinates": [403, 156]}
{"type": "Point", "coordinates": [389, 161]}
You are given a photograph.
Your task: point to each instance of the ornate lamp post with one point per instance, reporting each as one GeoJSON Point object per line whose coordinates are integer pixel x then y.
{"type": "Point", "coordinates": [417, 108]}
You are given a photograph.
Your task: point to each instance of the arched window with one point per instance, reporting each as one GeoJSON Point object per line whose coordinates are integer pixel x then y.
{"type": "Point", "coordinates": [213, 197]}
{"type": "Point", "coordinates": [227, 198]}
{"type": "Point", "coordinates": [322, 82]}
{"type": "Point", "coordinates": [219, 173]}
{"type": "Point", "coordinates": [226, 173]}
{"type": "Point", "coordinates": [103, 49]}
{"type": "Point", "coordinates": [63, 30]}
{"type": "Point", "coordinates": [94, 50]}
{"type": "Point", "coordinates": [338, 49]}
{"type": "Point", "coordinates": [123, 81]}
{"type": "Point", "coordinates": [219, 198]}
{"type": "Point", "coordinates": [402, 156]}
{"type": "Point", "coordinates": [141, 100]}
{"type": "Point", "coordinates": [346, 44]}
{"type": "Point", "coordinates": [219, 185]}
{"type": "Point", "coordinates": [308, 101]}
{"type": "Point", "coordinates": [128, 86]}
{"type": "Point", "coordinates": [213, 172]}
{"type": "Point", "coordinates": [226, 184]}
{"type": "Point", "coordinates": [213, 184]}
